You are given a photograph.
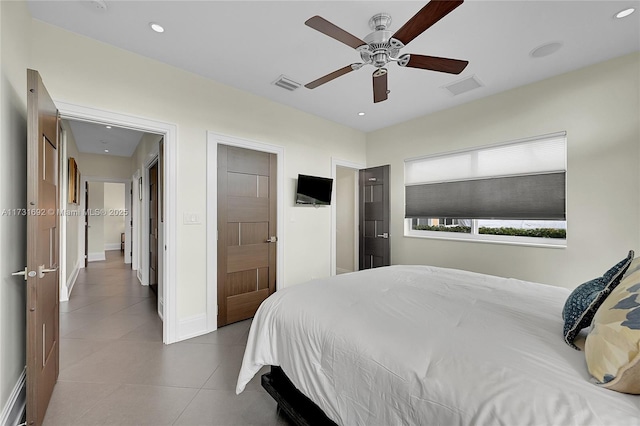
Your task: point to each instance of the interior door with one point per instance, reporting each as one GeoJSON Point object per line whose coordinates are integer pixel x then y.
{"type": "Point", "coordinates": [246, 231]}
{"type": "Point", "coordinates": [374, 217]}
{"type": "Point", "coordinates": [153, 228]}
{"type": "Point", "coordinates": [42, 248]}
{"type": "Point", "coordinates": [86, 224]}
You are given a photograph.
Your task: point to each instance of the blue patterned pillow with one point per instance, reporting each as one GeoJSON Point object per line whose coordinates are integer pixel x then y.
{"type": "Point", "coordinates": [584, 301]}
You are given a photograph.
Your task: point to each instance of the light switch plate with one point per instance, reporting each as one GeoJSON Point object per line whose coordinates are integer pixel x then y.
{"type": "Point", "coordinates": [190, 218]}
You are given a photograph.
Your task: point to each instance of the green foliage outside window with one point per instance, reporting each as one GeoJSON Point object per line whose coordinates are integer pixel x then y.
{"type": "Point", "coordinates": [515, 232]}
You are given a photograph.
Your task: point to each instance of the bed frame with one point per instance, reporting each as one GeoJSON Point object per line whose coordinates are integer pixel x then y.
{"type": "Point", "coordinates": [300, 409]}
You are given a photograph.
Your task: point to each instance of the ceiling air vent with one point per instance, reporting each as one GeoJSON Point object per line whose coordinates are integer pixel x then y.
{"type": "Point", "coordinates": [464, 85]}
{"type": "Point", "coordinates": [286, 83]}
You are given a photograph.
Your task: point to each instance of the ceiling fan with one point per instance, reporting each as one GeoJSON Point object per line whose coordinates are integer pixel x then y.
{"type": "Point", "coordinates": [381, 47]}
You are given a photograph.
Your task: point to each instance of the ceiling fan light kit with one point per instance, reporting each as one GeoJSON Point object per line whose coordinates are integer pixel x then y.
{"type": "Point", "coordinates": [382, 46]}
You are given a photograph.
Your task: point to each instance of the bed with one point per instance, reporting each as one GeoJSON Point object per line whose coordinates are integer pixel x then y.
{"type": "Point", "coordinates": [409, 345]}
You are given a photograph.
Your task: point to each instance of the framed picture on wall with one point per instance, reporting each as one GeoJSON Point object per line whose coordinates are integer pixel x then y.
{"type": "Point", "coordinates": [73, 181]}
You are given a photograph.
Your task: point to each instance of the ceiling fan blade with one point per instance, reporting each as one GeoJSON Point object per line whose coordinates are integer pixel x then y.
{"type": "Point", "coordinates": [431, 13]}
{"type": "Point", "coordinates": [320, 24]}
{"type": "Point", "coordinates": [380, 92]}
{"type": "Point", "coordinates": [327, 78]}
{"type": "Point", "coordinates": [433, 63]}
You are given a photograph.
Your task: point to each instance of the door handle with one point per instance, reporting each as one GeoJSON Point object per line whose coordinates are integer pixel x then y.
{"type": "Point", "coordinates": [42, 270]}
{"type": "Point", "coordinates": [272, 240]}
{"type": "Point", "coordinates": [384, 235]}
{"type": "Point", "coordinates": [25, 273]}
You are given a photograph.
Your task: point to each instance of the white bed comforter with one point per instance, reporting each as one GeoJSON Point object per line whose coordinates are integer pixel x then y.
{"type": "Point", "coordinates": [415, 345]}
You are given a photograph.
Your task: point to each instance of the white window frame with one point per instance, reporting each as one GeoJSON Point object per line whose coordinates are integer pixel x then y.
{"type": "Point", "coordinates": [475, 236]}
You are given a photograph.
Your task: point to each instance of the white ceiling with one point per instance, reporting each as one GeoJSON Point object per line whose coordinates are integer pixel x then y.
{"type": "Point", "coordinates": [248, 44]}
{"type": "Point", "coordinates": [92, 138]}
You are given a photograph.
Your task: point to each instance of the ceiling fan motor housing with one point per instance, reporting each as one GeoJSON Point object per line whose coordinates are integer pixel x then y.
{"type": "Point", "coordinates": [380, 48]}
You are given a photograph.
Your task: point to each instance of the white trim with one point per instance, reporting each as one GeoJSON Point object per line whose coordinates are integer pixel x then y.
{"type": "Point", "coordinates": [335, 162]}
{"type": "Point", "coordinates": [555, 243]}
{"type": "Point", "coordinates": [71, 280]}
{"type": "Point", "coordinates": [16, 403]}
{"type": "Point", "coordinates": [96, 256]}
{"type": "Point", "coordinates": [213, 140]}
{"type": "Point", "coordinates": [113, 246]}
{"type": "Point", "coordinates": [342, 271]}
{"type": "Point", "coordinates": [63, 190]}
{"type": "Point", "coordinates": [195, 325]}
{"type": "Point", "coordinates": [160, 307]}
{"type": "Point", "coordinates": [135, 217]}
{"type": "Point", "coordinates": [170, 132]}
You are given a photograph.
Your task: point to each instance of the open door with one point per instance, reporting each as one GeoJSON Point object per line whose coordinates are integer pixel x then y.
{"type": "Point", "coordinates": [86, 224]}
{"type": "Point", "coordinates": [374, 217]}
{"type": "Point", "coordinates": [42, 248]}
{"type": "Point", "coordinates": [153, 228]}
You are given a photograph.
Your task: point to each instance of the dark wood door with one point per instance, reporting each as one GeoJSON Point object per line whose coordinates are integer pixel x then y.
{"type": "Point", "coordinates": [153, 228]}
{"type": "Point", "coordinates": [374, 217]}
{"type": "Point", "coordinates": [246, 231]}
{"type": "Point", "coordinates": [42, 248]}
{"type": "Point", "coordinates": [86, 224]}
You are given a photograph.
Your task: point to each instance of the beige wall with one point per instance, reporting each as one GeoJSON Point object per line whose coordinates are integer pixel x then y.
{"type": "Point", "coordinates": [15, 45]}
{"type": "Point", "coordinates": [598, 106]}
{"type": "Point", "coordinates": [104, 166]}
{"type": "Point", "coordinates": [143, 87]}
{"type": "Point", "coordinates": [345, 219]}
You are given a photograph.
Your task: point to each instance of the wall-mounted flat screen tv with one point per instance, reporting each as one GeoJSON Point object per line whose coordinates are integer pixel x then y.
{"type": "Point", "coordinates": [314, 190]}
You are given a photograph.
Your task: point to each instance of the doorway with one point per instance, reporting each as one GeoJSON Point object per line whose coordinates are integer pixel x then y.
{"type": "Point", "coordinates": [153, 227]}
{"type": "Point", "coordinates": [106, 226]}
{"type": "Point", "coordinates": [346, 196]}
{"type": "Point", "coordinates": [168, 255]}
{"type": "Point", "coordinates": [247, 231]}
{"type": "Point", "coordinates": [214, 140]}
{"type": "Point", "coordinates": [345, 210]}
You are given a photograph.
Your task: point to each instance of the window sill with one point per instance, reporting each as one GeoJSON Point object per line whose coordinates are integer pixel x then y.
{"type": "Point", "coordinates": [487, 238]}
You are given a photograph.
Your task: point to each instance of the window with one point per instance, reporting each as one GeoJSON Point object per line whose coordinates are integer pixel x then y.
{"type": "Point", "coordinates": [512, 192]}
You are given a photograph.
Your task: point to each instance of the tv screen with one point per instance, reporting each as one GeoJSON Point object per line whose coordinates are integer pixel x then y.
{"type": "Point", "coordinates": [314, 190]}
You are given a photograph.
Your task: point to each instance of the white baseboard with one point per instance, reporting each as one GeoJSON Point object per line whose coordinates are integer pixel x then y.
{"type": "Point", "coordinates": [97, 256]}
{"type": "Point", "coordinates": [71, 281]}
{"type": "Point", "coordinates": [14, 409]}
{"type": "Point", "coordinates": [139, 275]}
{"type": "Point", "coordinates": [111, 246]}
{"type": "Point", "coordinates": [161, 308]}
{"type": "Point", "coordinates": [193, 326]}
{"type": "Point", "coordinates": [342, 271]}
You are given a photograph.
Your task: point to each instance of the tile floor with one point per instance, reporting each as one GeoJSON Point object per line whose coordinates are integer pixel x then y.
{"type": "Point", "coordinates": [115, 370]}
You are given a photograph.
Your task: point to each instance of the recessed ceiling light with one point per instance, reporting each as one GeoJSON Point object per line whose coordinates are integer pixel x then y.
{"type": "Point", "coordinates": [546, 49]}
{"type": "Point", "coordinates": [108, 127]}
{"type": "Point", "coordinates": [156, 27]}
{"type": "Point", "coordinates": [625, 12]}
{"type": "Point", "coordinates": [361, 114]}
{"type": "Point", "coordinates": [99, 4]}
{"type": "Point", "coordinates": [106, 150]}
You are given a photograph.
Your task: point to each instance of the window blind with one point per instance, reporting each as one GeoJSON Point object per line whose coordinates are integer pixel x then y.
{"type": "Point", "coordinates": [524, 179]}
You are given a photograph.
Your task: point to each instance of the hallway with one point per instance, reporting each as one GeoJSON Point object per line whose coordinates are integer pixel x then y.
{"type": "Point", "coordinates": [115, 370]}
